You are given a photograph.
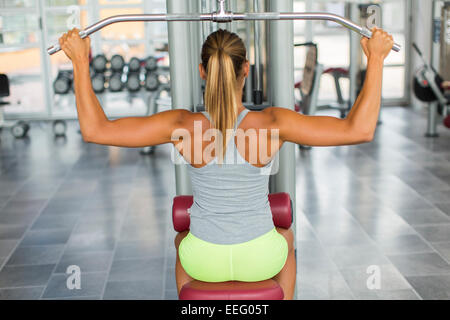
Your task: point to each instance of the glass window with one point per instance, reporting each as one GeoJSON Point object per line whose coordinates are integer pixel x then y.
{"type": "Point", "coordinates": [59, 22]}
{"type": "Point", "coordinates": [125, 30]}
{"type": "Point", "coordinates": [58, 3]}
{"type": "Point", "coordinates": [393, 82]}
{"type": "Point", "coordinates": [23, 68]}
{"type": "Point", "coordinates": [333, 45]}
{"type": "Point", "coordinates": [119, 2]}
{"type": "Point", "coordinates": [17, 3]}
{"type": "Point", "coordinates": [19, 28]}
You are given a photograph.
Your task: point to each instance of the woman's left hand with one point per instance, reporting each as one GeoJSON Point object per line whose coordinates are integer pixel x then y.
{"type": "Point", "coordinates": [74, 47]}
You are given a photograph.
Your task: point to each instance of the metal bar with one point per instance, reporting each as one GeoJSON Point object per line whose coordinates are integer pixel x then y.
{"type": "Point", "coordinates": [182, 92]}
{"type": "Point", "coordinates": [280, 41]}
{"type": "Point", "coordinates": [257, 50]}
{"type": "Point", "coordinates": [223, 17]}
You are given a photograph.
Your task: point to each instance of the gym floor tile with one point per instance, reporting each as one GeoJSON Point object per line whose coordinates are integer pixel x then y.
{"type": "Point", "coordinates": [171, 295]}
{"type": "Point", "coordinates": [443, 248]}
{"type": "Point", "coordinates": [418, 217]}
{"type": "Point", "coordinates": [108, 227]}
{"type": "Point", "coordinates": [139, 249]}
{"type": "Point", "coordinates": [431, 287]}
{"type": "Point", "coordinates": [170, 280]}
{"type": "Point", "coordinates": [63, 207]}
{"type": "Point", "coordinates": [323, 284]}
{"type": "Point", "coordinates": [310, 249]}
{"type": "Point", "coordinates": [90, 242]}
{"type": "Point", "coordinates": [420, 264]}
{"type": "Point", "coordinates": [435, 233]}
{"type": "Point", "coordinates": [23, 206]}
{"type": "Point", "coordinates": [75, 298]}
{"type": "Point", "coordinates": [387, 295]}
{"type": "Point", "coordinates": [134, 290]}
{"type": "Point", "coordinates": [360, 255]}
{"type": "Point", "coordinates": [49, 221]}
{"type": "Point", "coordinates": [137, 269]}
{"type": "Point", "coordinates": [403, 244]}
{"type": "Point", "coordinates": [25, 276]}
{"type": "Point", "coordinates": [35, 255]}
{"type": "Point", "coordinates": [444, 207]}
{"type": "Point", "coordinates": [29, 293]}
{"type": "Point", "coordinates": [91, 284]}
{"type": "Point", "coordinates": [331, 236]}
{"type": "Point", "coordinates": [17, 218]}
{"type": "Point", "coordinates": [46, 237]}
{"type": "Point", "coordinates": [86, 261]}
{"type": "Point", "coordinates": [7, 246]}
{"type": "Point", "coordinates": [436, 196]}
{"type": "Point", "coordinates": [8, 232]}
{"type": "Point", "coordinates": [3, 200]}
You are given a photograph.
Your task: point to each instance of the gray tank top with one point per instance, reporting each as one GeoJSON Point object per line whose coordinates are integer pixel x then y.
{"type": "Point", "coordinates": [231, 202]}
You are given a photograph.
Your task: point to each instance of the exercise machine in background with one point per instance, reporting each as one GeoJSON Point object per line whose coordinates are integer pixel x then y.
{"type": "Point", "coordinates": [18, 129]}
{"type": "Point", "coordinates": [427, 87]}
{"type": "Point", "coordinates": [427, 80]}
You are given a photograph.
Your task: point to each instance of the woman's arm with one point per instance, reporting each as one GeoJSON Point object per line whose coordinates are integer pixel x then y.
{"type": "Point", "coordinates": [95, 126]}
{"type": "Point", "coordinates": [360, 124]}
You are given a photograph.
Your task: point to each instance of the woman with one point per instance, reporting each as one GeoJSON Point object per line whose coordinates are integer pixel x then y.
{"type": "Point", "coordinates": [232, 235]}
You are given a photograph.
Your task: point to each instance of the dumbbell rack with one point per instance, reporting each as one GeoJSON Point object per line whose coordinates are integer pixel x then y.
{"type": "Point", "coordinates": [106, 94]}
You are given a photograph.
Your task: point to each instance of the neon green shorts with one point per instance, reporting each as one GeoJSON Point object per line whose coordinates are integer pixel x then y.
{"type": "Point", "coordinates": [255, 260]}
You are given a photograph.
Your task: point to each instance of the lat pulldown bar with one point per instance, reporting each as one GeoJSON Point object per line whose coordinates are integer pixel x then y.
{"type": "Point", "coordinates": [223, 16]}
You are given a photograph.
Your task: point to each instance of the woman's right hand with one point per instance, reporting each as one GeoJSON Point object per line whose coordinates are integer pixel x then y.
{"type": "Point", "coordinates": [380, 45]}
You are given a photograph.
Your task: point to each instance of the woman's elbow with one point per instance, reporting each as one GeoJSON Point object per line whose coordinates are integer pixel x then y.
{"type": "Point", "coordinates": [365, 137]}
{"type": "Point", "coordinates": [87, 137]}
{"type": "Point", "coordinates": [90, 136]}
{"type": "Point", "coordinates": [94, 133]}
{"type": "Point", "coordinates": [361, 135]}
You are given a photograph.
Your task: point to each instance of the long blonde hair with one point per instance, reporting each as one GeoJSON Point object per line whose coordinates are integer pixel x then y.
{"type": "Point", "coordinates": [223, 55]}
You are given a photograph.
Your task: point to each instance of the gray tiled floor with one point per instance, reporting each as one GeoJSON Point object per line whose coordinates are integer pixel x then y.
{"type": "Point", "coordinates": [384, 204]}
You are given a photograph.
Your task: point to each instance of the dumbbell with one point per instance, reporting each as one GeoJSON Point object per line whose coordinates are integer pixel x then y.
{"type": "Point", "coordinates": [117, 63]}
{"type": "Point", "coordinates": [115, 82]}
{"type": "Point", "coordinates": [151, 64]}
{"type": "Point", "coordinates": [134, 65]}
{"type": "Point", "coordinates": [133, 82]}
{"type": "Point", "coordinates": [151, 82]}
{"type": "Point", "coordinates": [99, 63]}
{"type": "Point", "coordinates": [98, 82]}
{"type": "Point", "coordinates": [63, 82]}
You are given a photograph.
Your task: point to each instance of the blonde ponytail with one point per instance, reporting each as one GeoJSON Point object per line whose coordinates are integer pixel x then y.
{"type": "Point", "coordinates": [220, 96]}
{"type": "Point", "coordinates": [222, 57]}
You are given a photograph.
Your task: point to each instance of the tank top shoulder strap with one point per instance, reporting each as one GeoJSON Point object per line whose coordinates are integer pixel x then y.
{"type": "Point", "coordinates": [206, 114]}
{"type": "Point", "coordinates": [241, 117]}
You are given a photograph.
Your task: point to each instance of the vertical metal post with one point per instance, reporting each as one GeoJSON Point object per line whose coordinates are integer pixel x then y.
{"type": "Point", "coordinates": [149, 34]}
{"type": "Point", "coordinates": [248, 36]}
{"type": "Point", "coordinates": [435, 56]}
{"type": "Point", "coordinates": [45, 61]}
{"type": "Point", "coordinates": [281, 77]}
{"type": "Point", "coordinates": [408, 31]}
{"type": "Point", "coordinates": [257, 96]}
{"type": "Point", "coordinates": [354, 43]}
{"type": "Point", "coordinates": [309, 32]}
{"type": "Point", "coordinates": [96, 38]}
{"type": "Point", "coordinates": [181, 77]}
{"type": "Point", "coordinates": [195, 28]}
